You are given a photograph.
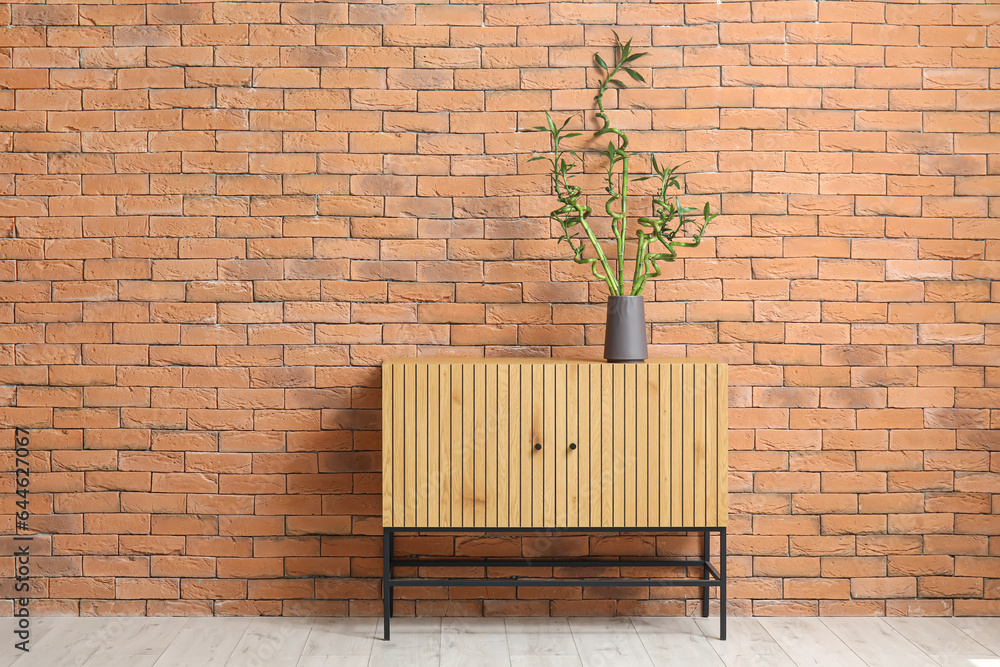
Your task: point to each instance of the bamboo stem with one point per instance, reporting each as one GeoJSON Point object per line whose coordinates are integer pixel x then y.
{"type": "Point", "coordinates": [669, 218]}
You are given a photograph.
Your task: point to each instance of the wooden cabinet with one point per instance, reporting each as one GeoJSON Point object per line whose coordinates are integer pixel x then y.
{"type": "Point", "coordinates": [524, 443]}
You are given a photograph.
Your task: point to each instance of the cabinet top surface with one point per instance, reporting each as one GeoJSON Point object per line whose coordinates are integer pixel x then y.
{"type": "Point", "coordinates": [536, 360]}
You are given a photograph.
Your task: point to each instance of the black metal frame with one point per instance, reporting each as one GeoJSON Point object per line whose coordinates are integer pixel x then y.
{"type": "Point", "coordinates": [711, 576]}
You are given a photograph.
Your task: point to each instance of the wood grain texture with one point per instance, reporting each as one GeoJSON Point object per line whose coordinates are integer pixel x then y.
{"type": "Point", "coordinates": [621, 445]}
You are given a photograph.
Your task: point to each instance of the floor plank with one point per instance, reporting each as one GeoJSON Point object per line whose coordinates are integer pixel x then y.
{"type": "Point", "coordinates": [545, 661]}
{"type": "Point", "coordinates": [63, 640]}
{"type": "Point", "coordinates": [332, 661]}
{"type": "Point", "coordinates": [877, 643]}
{"type": "Point", "coordinates": [36, 633]}
{"type": "Point", "coordinates": [986, 631]}
{"type": "Point", "coordinates": [271, 642]}
{"type": "Point", "coordinates": [967, 660]}
{"type": "Point", "coordinates": [533, 636]}
{"type": "Point", "coordinates": [747, 644]}
{"type": "Point", "coordinates": [936, 636]}
{"type": "Point", "coordinates": [138, 636]}
{"type": "Point", "coordinates": [810, 643]}
{"type": "Point", "coordinates": [474, 641]}
{"type": "Point", "coordinates": [343, 637]}
{"type": "Point", "coordinates": [105, 660]}
{"type": "Point", "coordinates": [415, 641]}
{"type": "Point", "coordinates": [207, 642]}
{"type": "Point", "coordinates": [608, 641]}
{"type": "Point", "coordinates": [680, 639]}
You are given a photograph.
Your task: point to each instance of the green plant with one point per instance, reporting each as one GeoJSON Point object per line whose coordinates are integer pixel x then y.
{"type": "Point", "coordinates": [664, 231]}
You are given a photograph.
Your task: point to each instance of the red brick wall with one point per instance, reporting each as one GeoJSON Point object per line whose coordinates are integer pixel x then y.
{"type": "Point", "coordinates": [217, 218]}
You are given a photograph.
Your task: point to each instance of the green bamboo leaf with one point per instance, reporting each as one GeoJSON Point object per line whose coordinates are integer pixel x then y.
{"type": "Point", "coordinates": [641, 178]}
{"type": "Point", "coordinates": [571, 135]}
{"type": "Point", "coordinates": [537, 157]}
{"type": "Point", "coordinates": [540, 128]}
{"type": "Point", "coordinates": [618, 83]}
{"type": "Point", "coordinates": [635, 75]}
{"type": "Point", "coordinates": [636, 56]}
{"type": "Point", "coordinates": [656, 167]}
{"type": "Point", "coordinates": [600, 62]}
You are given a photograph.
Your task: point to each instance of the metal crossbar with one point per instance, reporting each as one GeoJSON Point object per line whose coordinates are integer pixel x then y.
{"type": "Point", "coordinates": [711, 577]}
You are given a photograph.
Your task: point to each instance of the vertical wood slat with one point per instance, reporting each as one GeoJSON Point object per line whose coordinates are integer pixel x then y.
{"type": "Point", "coordinates": [491, 416]}
{"type": "Point", "coordinates": [700, 474]}
{"type": "Point", "coordinates": [458, 444]}
{"type": "Point", "coordinates": [722, 468]}
{"type": "Point", "coordinates": [479, 444]}
{"type": "Point", "coordinates": [618, 444]}
{"type": "Point", "coordinates": [420, 509]}
{"type": "Point", "coordinates": [573, 419]}
{"type": "Point", "coordinates": [387, 440]}
{"type": "Point", "coordinates": [584, 449]}
{"type": "Point", "coordinates": [397, 446]}
{"type": "Point", "coordinates": [503, 404]}
{"type": "Point", "coordinates": [548, 452]}
{"type": "Point", "coordinates": [433, 494]}
{"type": "Point", "coordinates": [641, 445]}
{"type": "Point", "coordinates": [629, 452]}
{"type": "Point", "coordinates": [526, 446]}
{"type": "Point", "coordinates": [469, 452]}
{"type": "Point", "coordinates": [409, 448]}
{"type": "Point", "coordinates": [541, 487]}
{"type": "Point", "coordinates": [663, 474]}
{"type": "Point", "coordinates": [676, 446]}
{"type": "Point", "coordinates": [711, 445]}
{"type": "Point", "coordinates": [595, 446]}
{"type": "Point", "coordinates": [607, 440]}
{"type": "Point", "coordinates": [653, 438]}
{"type": "Point", "coordinates": [559, 447]}
{"type": "Point", "coordinates": [688, 445]}
{"type": "Point", "coordinates": [537, 436]}
{"type": "Point", "coordinates": [516, 445]}
{"type": "Point", "coordinates": [445, 446]}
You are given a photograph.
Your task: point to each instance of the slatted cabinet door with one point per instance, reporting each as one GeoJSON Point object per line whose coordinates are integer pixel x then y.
{"type": "Point", "coordinates": [448, 435]}
{"type": "Point", "coordinates": [536, 444]}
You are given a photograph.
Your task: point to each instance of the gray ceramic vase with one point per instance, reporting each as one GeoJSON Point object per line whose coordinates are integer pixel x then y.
{"type": "Point", "coordinates": [625, 334]}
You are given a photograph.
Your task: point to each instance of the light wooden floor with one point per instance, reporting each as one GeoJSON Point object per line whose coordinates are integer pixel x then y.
{"type": "Point", "coordinates": [511, 642]}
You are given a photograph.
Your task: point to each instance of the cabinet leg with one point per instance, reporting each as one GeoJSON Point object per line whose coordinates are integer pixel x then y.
{"type": "Point", "coordinates": [386, 576]}
{"type": "Point", "coordinates": [722, 585]}
{"type": "Point", "coordinates": [385, 611]}
{"type": "Point", "coordinates": [705, 574]}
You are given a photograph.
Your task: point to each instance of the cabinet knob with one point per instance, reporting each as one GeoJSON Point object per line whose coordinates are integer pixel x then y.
{"type": "Point", "coordinates": [572, 445]}
{"type": "Point", "coordinates": [538, 445]}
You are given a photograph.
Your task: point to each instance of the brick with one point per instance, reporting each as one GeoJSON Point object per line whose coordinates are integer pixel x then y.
{"type": "Point", "coordinates": [858, 524]}
{"type": "Point", "coordinates": [883, 587]}
{"type": "Point", "coordinates": [950, 586]}
{"type": "Point", "coordinates": [890, 503]}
